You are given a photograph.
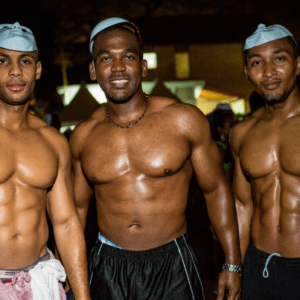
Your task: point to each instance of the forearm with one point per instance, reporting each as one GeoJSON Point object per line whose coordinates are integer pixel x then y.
{"type": "Point", "coordinates": [72, 250]}
{"type": "Point", "coordinates": [222, 214]}
{"type": "Point", "coordinates": [82, 214]}
{"type": "Point", "coordinates": [244, 214]}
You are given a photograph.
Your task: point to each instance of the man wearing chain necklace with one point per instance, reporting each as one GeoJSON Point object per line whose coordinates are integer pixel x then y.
{"type": "Point", "coordinates": [137, 154]}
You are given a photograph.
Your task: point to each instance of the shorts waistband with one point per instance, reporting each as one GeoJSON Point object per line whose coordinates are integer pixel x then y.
{"type": "Point", "coordinates": [277, 259]}
{"type": "Point", "coordinates": [11, 272]}
{"type": "Point", "coordinates": [144, 254]}
{"type": "Point", "coordinates": [106, 241]}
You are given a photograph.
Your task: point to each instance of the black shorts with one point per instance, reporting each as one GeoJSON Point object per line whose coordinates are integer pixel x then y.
{"type": "Point", "coordinates": [164, 273]}
{"type": "Point", "coordinates": [283, 282]}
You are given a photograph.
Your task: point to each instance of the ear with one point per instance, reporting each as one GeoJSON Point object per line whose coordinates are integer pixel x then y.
{"type": "Point", "coordinates": [246, 71]}
{"type": "Point", "coordinates": [144, 68]}
{"type": "Point", "coordinates": [92, 71]}
{"type": "Point", "coordinates": [38, 70]}
{"type": "Point", "coordinates": [298, 65]}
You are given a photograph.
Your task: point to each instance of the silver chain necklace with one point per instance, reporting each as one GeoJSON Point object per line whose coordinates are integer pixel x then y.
{"type": "Point", "coordinates": [140, 118]}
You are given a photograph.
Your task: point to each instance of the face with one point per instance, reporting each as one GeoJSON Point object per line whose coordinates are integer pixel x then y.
{"type": "Point", "coordinates": [118, 67]}
{"type": "Point", "coordinates": [272, 69]}
{"type": "Point", "coordinates": [18, 72]}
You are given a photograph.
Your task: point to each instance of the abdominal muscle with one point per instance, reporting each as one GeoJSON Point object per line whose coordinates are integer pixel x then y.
{"type": "Point", "coordinates": [275, 228]}
{"type": "Point", "coordinates": [23, 230]}
{"type": "Point", "coordinates": [141, 223]}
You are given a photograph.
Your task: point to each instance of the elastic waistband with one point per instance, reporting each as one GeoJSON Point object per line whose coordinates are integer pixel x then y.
{"type": "Point", "coordinates": [104, 240]}
{"type": "Point", "coordinates": [11, 272]}
{"type": "Point", "coordinates": [141, 255]}
{"type": "Point", "coordinates": [277, 259]}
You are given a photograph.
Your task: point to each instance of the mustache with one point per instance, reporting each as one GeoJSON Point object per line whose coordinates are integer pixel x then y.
{"type": "Point", "coordinates": [118, 76]}
{"type": "Point", "coordinates": [270, 81]}
{"type": "Point", "coordinates": [16, 82]}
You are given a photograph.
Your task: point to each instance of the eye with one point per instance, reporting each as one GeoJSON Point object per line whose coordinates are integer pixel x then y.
{"type": "Point", "coordinates": [280, 58]}
{"type": "Point", "coordinates": [256, 63]}
{"type": "Point", "coordinates": [106, 58]}
{"type": "Point", "coordinates": [129, 57]}
{"type": "Point", "coordinates": [2, 60]}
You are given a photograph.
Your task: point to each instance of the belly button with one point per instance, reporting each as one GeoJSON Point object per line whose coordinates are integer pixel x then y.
{"type": "Point", "coordinates": [134, 225]}
{"type": "Point", "coordinates": [278, 228]}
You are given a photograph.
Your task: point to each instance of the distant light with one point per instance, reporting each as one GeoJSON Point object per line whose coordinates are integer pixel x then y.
{"type": "Point", "coordinates": [96, 92]}
{"type": "Point", "coordinates": [238, 107]}
{"type": "Point", "coordinates": [65, 128]}
{"type": "Point", "coordinates": [151, 59]}
{"type": "Point", "coordinates": [197, 91]}
{"type": "Point", "coordinates": [182, 65]}
{"type": "Point", "coordinates": [69, 92]}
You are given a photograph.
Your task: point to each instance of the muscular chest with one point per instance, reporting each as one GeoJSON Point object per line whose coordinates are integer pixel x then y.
{"type": "Point", "coordinates": [28, 159]}
{"type": "Point", "coordinates": [269, 148]}
{"type": "Point", "coordinates": [121, 151]}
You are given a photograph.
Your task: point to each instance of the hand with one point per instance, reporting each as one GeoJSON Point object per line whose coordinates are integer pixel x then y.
{"type": "Point", "coordinates": [232, 281]}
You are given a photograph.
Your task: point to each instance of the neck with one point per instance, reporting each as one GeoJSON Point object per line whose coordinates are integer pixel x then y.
{"type": "Point", "coordinates": [13, 116]}
{"type": "Point", "coordinates": [130, 110]}
{"type": "Point", "coordinates": [287, 108]}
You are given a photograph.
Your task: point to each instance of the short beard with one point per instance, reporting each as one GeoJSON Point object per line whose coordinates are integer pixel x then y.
{"type": "Point", "coordinates": [124, 99]}
{"type": "Point", "coordinates": [119, 101]}
{"type": "Point", "coordinates": [274, 99]}
{"type": "Point", "coordinates": [15, 103]}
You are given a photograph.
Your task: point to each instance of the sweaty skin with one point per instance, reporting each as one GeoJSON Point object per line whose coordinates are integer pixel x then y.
{"type": "Point", "coordinates": [141, 175]}
{"type": "Point", "coordinates": [266, 149]}
{"type": "Point", "coordinates": [35, 175]}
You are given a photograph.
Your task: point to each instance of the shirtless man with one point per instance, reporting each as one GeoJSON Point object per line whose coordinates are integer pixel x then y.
{"type": "Point", "coordinates": [35, 175]}
{"type": "Point", "coordinates": [266, 149]}
{"type": "Point", "coordinates": [138, 154]}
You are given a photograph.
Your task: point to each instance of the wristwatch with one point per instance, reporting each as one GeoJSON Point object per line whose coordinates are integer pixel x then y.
{"type": "Point", "coordinates": [232, 268]}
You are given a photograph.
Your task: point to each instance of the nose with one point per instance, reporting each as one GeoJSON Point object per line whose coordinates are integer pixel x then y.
{"type": "Point", "coordinates": [15, 70]}
{"type": "Point", "coordinates": [269, 69]}
{"type": "Point", "coordinates": [118, 65]}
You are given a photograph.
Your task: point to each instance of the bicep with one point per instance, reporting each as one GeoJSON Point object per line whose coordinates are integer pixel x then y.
{"type": "Point", "coordinates": [241, 186]}
{"type": "Point", "coordinates": [60, 198]}
{"type": "Point", "coordinates": [82, 188]}
{"type": "Point", "coordinates": [206, 161]}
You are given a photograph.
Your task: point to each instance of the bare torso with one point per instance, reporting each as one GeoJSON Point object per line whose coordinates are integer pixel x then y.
{"type": "Point", "coordinates": [269, 156]}
{"type": "Point", "coordinates": [29, 167]}
{"type": "Point", "coordinates": [141, 176]}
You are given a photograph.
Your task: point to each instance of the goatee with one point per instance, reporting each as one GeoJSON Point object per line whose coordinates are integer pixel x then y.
{"type": "Point", "coordinates": [274, 99]}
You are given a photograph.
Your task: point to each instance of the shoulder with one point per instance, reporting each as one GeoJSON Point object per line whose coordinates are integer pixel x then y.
{"type": "Point", "coordinates": [51, 135]}
{"type": "Point", "coordinates": [174, 108]}
{"type": "Point", "coordinates": [84, 129]}
{"type": "Point", "coordinates": [241, 129]}
{"type": "Point", "coordinates": [186, 118]}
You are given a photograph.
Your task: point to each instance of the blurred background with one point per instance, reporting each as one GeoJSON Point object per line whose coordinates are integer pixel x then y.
{"type": "Point", "coordinates": [193, 49]}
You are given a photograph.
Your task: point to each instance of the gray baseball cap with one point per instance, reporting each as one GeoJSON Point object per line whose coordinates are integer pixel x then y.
{"type": "Point", "coordinates": [17, 37]}
{"type": "Point", "coordinates": [265, 34]}
{"type": "Point", "coordinates": [109, 23]}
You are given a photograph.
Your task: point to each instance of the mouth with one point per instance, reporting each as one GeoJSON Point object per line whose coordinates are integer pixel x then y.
{"type": "Point", "coordinates": [16, 87]}
{"type": "Point", "coordinates": [271, 85]}
{"type": "Point", "coordinates": [119, 82]}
